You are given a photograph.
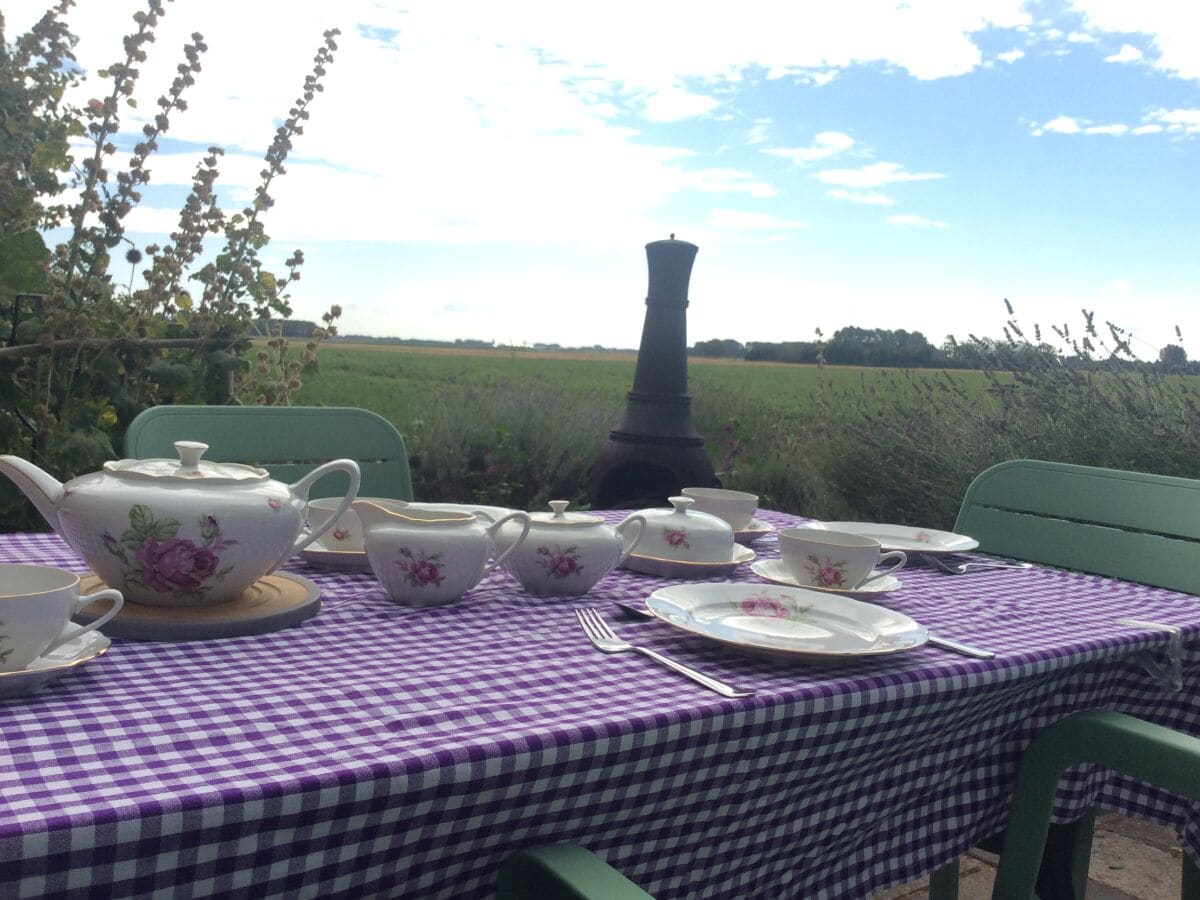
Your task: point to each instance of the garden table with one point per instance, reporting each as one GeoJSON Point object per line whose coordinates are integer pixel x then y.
{"type": "Point", "coordinates": [382, 750]}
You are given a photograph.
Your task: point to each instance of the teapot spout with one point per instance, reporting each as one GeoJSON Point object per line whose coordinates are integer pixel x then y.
{"type": "Point", "coordinates": [43, 489]}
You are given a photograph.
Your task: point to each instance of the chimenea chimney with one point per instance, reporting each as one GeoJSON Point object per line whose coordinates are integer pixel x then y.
{"type": "Point", "coordinates": [654, 452]}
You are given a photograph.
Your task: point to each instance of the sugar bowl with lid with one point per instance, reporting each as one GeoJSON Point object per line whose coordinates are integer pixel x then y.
{"type": "Point", "coordinates": [566, 553]}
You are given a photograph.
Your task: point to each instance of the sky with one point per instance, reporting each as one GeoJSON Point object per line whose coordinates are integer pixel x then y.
{"type": "Point", "coordinates": [493, 171]}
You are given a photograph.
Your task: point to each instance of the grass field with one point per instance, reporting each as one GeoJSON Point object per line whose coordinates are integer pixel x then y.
{"type": "Point", "coordinates": [520, 428]}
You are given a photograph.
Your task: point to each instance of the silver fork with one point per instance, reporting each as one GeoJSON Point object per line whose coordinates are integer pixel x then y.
{"type": "Point", "coordinates": [957, 568]}
{"type": "Point", "coordinates": [605, 639]}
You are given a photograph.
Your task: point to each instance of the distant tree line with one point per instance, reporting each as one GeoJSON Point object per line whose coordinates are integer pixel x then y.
{"type": "Point", "coordinates": [898, 348]}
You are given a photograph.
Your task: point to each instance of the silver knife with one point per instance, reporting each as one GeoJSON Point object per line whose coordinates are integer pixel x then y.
{"type": "Point", "coordinates": [957, 647]}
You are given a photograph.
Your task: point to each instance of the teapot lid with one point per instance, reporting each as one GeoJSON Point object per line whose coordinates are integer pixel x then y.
{"type": "Point", "coordinates": [189, 467]}
{"type": "Point", "coordinates": [561, 517]}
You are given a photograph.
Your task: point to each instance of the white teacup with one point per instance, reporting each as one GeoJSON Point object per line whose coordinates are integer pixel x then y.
{"type": "Point", "coordinates": [834, 559]}
{"type": "Point", "coordinates": [36, 603]}
{"type": "Point", "coordinates": [735, 507]}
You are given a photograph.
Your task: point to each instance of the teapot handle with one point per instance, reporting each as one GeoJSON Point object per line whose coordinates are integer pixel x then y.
{"type": "Point", "coordinates": [640, 521]}
{"type": "Point", "coordinates": [494, 529]}
{"type": "Point", "coordinates": [301, 488]}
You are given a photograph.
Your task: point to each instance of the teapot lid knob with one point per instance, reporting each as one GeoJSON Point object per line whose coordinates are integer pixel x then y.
{"type": "Point", "coordinates": [559, 507]}
{"type": "Point", "coordinates": [681, 504]}
{"type": "Point", "coordinates": [189, 456]}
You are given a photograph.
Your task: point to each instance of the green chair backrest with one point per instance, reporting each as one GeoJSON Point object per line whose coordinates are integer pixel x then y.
{"type": "Point", "coordinates": [1142, 750]}
{"type": "Point", "coordinates": [1126, 525]}
{"type": "Point", "coordinates": [287, 441]}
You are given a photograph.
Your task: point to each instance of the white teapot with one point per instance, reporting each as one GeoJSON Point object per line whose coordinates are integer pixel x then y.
{"type": "Point", "coordinates": [565, 553]}
{"type": "Point", "coordinates": [428, 557]}
{"type": "Point", "coordinates": [178, 532]}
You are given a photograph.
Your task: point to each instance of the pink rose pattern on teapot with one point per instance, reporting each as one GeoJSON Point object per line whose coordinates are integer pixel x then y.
{"type": "Point", "coordinates": [152, 555]}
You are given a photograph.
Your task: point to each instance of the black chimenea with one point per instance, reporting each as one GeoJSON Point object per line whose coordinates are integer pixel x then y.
{"type": "Point", "coordinates": [654, 452]}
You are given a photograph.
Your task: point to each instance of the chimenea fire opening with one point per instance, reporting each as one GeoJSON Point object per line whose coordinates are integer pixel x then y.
{"type": "Point", "coordinates": [655, 451]}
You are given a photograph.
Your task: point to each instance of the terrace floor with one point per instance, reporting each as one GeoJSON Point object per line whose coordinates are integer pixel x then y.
{"type": "Point", "coordinates": [1131, 860]}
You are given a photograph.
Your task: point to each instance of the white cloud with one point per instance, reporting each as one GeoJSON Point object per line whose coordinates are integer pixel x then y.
{"type": "Point", "coordinates": [1173, 121]}
{"type": "Point", "coordinates": [1010, 56]}
{"type": "Point", "coordinates": [1172, 27]}
{"type": "Point", "coordinates": [729, 181]}
{"type": "Point", "coordinates": [674, 105]}
{"type": "Point", "coordinates": [739, 220]}
{"type": "Point", "coordinates": [1061, 125]}
{"type": "Point", "coordinates": [1185, 121]}
{"type": "Point", "coordinates": [911, 221]}
{"type": "Point", "coordinates": [873, 175]}
{"type": "Point", "coordinates": [1128, 53]}
{"type": "Point", "coordinates": [872, 198]}
{"type": "Point", "coordinates": [1080, 37]}
{"type": "Point", "coordinates": [824, 145]}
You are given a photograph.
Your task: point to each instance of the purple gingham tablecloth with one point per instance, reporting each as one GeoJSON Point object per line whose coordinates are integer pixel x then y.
{"type": "Point", "coordinates": [382, 750]}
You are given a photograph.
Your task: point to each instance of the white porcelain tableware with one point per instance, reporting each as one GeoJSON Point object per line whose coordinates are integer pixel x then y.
{"type": "Point", "coordinates": [834, 559]}
{"type": "Point", "coordinates": [776, 572]}
{"type": "Point", "coordinates": [679, 568]}
{"type": "Point", "coordinates": [752, 532]}
{"type": "Point", "coordinates": [340, 530]}
{"type": "Point", "coordinates": [902, 537]}
{"type": "Point", "coordinates": [36, 605]}
{"type": "Point", "coordinates": [426, 557]}
{"type": "Point", "coordinates": [178, 532]}
{"type": "Point", "coordinates": [783, 621]}
{"type": "Point", "coordinates": [682, 534]}
{"type": "Point", "coordinates": [53, 664]}
{"type": "Point", "coordinates": [735, 507]}
{"type": "Point", "coordinates": [566, 553]}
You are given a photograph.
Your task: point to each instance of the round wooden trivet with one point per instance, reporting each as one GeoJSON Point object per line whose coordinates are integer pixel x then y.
{"type": "Point", "coordinates": [272, 603]}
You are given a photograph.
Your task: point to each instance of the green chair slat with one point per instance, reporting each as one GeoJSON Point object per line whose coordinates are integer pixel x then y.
{"type": "Point", "coordinates": [1127, 525]}
{"type": "Point", "coordinates": [287, 441]}
{"type": "Point", "coordinates": [563, 872]}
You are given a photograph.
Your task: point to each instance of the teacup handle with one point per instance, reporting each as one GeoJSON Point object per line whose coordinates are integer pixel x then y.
{"type": "Point", "coordinates": [108, 594]}
{"type": "Point", "coordinates": [635, 519]}
{"type": "Point", "coordinates": [494, 529]}
{"type": "Point", "coordinates": [301, 488]}
{"type": "Point", "coordinates": [898, 555]}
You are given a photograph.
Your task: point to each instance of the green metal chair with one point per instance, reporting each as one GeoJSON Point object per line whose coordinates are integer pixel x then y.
{"type": "Point", "coordinates": [1116, 741]}
{"type": "Point", "coordinates": [1127, 525]}
{"type": "Point", "coordinates": [1140, 749]}
{"type": "Point", "coordinates": [287, 441]}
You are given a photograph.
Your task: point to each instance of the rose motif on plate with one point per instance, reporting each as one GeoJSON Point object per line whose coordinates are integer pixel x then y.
{"type": "Point", "coordinates": [770, 607]}
{"type": "Point", "coordinates": [421, 569]}
{"type": "Point", "coordinates": [561, 562]}
{"type": "Point", "coordinates": [153, 556]}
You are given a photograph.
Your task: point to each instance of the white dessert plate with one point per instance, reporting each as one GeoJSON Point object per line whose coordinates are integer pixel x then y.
{"type": "Point", "coordinates": [903, 537]}
{"type": "Point", "coordinates": [53, 665]}
{"type": "Point", "coordinates": [675, 568]}
{"type": "Point", "coordinates": [783, 621]}
{"type": "Point", "coordinates": [317, 554]}
{"type": "Point", "coordinates": [756, 529]}
{"type": "Point", "coordinates": [775, 571]}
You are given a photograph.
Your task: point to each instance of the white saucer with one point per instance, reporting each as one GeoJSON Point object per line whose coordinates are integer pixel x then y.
{"type": "Point", "coordinates": [752, 532]}
{"type": "Point", "coordinates": [902, 537]}
{"type": "Point", "coordinates": [775, 571]}
{"type": "Point", "coordinates": [674, 568]}
{"type": "Point", "coordinates": [316, 554]}
{"type": "Point", "coordinates": [54, 664]}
